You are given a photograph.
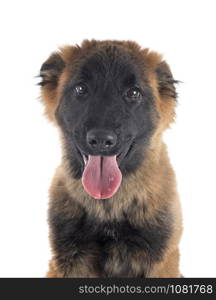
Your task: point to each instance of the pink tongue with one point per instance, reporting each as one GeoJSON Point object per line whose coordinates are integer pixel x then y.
{"type": "Point", "coordinates": [101, 177]}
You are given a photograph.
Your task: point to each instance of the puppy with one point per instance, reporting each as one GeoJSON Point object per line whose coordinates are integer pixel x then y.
{"type": "Point", "coordinates": [114, 209]}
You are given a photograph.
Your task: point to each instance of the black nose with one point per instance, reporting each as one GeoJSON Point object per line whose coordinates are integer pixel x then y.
{"type": "Point", "coordinates": [101, 139]}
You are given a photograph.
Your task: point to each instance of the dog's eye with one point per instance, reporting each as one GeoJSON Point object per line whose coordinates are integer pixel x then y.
{"type": "Point", "coordinates": [81, 89]}
{"type": "Point", "coordinates": [133, 93]}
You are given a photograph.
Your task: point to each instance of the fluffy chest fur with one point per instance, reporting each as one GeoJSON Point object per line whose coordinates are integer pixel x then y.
{"type": "Point", "coordinates": [114, 248]}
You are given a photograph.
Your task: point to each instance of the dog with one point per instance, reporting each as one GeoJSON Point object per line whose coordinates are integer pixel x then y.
{"type": "Point", "coordinates": [114, 209]}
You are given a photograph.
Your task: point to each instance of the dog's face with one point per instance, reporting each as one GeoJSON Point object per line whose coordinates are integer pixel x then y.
{"type": "Point", "coordinates": [106, 97]}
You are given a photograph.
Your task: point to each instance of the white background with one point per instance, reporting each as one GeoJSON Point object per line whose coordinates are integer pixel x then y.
{"type": "Point", "coordinates": [184, 32]}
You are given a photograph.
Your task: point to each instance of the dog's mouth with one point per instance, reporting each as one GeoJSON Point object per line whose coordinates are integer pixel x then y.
{"type": "Point", "coordinates": [102, 176]}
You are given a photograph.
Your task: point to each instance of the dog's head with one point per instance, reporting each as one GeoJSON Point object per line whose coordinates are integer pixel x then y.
{"type": "Point", "coordinates": [109, 99]}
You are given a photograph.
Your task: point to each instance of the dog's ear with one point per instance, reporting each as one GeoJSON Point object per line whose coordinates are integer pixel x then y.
{"type": "Point", "coordinates": [50, 73]}
{"type": "Point", "coordinates": [51, 70]}
{"type": "Point", "coordinates": [166, 82]}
